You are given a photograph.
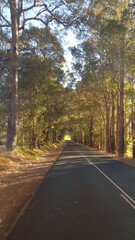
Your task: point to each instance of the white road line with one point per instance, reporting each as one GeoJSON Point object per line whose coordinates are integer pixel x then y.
{"type": "Point", "coordinates": [125, 196]}
{"type": "Point", "coordinates": [132, 205]}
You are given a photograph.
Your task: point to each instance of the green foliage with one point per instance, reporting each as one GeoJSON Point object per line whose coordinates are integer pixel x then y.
{"type": "Point", "coordinates": [47, 111]}
{"type": "Point", "coordinates": [42, 42]}
{"type": "Point", "coordinates": [99, 63]}
{"type": "Point", "coordinates": [112, 28]}
{"type": "Point", "coordinates": [31, 152]}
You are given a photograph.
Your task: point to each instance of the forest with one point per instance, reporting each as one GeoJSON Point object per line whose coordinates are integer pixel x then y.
{"type": "Point", "coordinates": [41, 100]}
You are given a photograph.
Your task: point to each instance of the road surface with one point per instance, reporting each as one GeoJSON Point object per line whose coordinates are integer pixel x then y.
{"type": "Point", "coordinates": [85, 196]}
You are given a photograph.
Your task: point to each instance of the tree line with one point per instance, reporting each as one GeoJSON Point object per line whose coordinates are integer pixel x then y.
{"type": "Point", "coordinates": [100, 109]}
{"type": "Point", "coordinates": [106, 63]}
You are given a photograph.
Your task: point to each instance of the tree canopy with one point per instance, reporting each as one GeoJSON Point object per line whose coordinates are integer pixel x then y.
{"type": "Point", "coordinates": [36, 107]}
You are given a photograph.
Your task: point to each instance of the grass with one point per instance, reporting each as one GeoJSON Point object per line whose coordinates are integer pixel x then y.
{"type": "Point", "coordinates": [22, 154]}
{"type": "Point", "coordinates": [129, 151]}
{"type": "Point", "coordinates": [29, 152]}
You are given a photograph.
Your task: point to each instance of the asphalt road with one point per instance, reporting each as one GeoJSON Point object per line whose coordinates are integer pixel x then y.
{"type": "Point", "coordinates": [85, 196]}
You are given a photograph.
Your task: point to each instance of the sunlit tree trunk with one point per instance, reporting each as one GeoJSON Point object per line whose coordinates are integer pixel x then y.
{"type": "Point", "coordinates": [121, 109]}
{"type": "Point", "coordinates": [107, 125]}
{"type": "Point", "coordinates": [112, 137]}
{"type": "Point", "coordinates": [13, 81]}
{"type": "Point", "coordinates": [117, 124]}
{"type": "Point", "coordinates": [107, 132]}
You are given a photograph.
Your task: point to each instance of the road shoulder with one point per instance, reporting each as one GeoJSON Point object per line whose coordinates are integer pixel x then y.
{"type": "Point", "coordinates": [19, 184]}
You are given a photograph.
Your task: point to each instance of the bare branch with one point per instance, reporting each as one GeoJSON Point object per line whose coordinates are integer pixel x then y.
{"type": "Point", "coordinates": [35, 19]}
{"type": "Point", "coordinates": [57, 7]}
{"type": "Point", "coordinates": [40, 12]}
{"type": "Point", "coordinates": [4, 25]}
{"type": "Point", "coordinates": [44, 8]}
{"type": "Point", "coordinates": [65, 24]}
{"type": "Point", "coordinates": [129, 121]}
{"type": "Point", "coordinates": [20, 4]}
{"type": "Point", "coordinates": [1, 15]}
{"type": "Point", "coordinates": [29, 8]}
{"type": "Point", "coordinates": [33, 6]}
{"type": "Point", "coordinates": [52, 17]}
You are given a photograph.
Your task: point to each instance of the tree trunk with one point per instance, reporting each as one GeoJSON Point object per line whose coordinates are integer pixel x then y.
{"type": "Point", "coordinates": [101, 139]}
{"type": "Point", "coordinates": [54, 135]}
{"type": "Point", "coordinates": [13, 81]}
{"type": "Point", "coordinates": [46, 138]}
{"type": "Point", "coordinates": [22, 134]}
{"type": "Point", "coordinates": [33, 143]}
{"type": "Point", "coordinates": [121, 110]}
{"type": "Point", "coordinates": [80, 137]}
{"type": "Point", "coordinates": [112, 137]}
{"type": "Point", "coordinates": [34, 133]}
{"type": "Point", "coordinates": [91, 132]}
{"type": "Point", "coordinates": [117, 125]}
{"type": "Point", "coordinates": [85, 137]}
{"type": "Point", "coordinates": [107, 129]}
{"type": "Point", "coordinates": [59, 137]}
{"type": "Point", "coordinates": [75, 139]}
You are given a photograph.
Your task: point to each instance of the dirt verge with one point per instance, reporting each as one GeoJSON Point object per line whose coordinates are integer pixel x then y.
{"type": "Point", "coordinates": [18, 184]}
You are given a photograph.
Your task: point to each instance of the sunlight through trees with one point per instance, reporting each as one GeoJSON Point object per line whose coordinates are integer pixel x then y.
{"type": "Point", "coordinates": [41, 102]}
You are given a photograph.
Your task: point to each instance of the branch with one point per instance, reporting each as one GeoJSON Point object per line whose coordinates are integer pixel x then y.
{"type": "Point", "coordinates": [40, 12]}
{"type": "Point", "coordinates": [33, 6]}
{"type": "Point", "coordinates": [65, 24]}
{"type": "Point", "coordinates": [4, 25]}
{"type": "Point", "coordinates": [57, 6]}
{"type": "Point", "coordinates": [50, 18]}
{"type": "Point", "coordinates": [34, 19]}
{"type": "Point", "coordinates": [55, 18]}
{"type": "Point", "coordinates": [20, 4]}
{"type": "Point", "coordinates": [29, 8]}
{"type": "Point", "coordinates": [130, 118]}
{"type": "Point", "coordinates": [4, 18]}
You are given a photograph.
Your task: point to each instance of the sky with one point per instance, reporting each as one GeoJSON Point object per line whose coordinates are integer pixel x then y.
{"type": "Point", "coordinates": [70, 40]}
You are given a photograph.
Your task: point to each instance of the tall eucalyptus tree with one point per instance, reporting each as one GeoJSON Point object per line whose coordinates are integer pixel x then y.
{"type": "Point", "coordinates": [15, 16]}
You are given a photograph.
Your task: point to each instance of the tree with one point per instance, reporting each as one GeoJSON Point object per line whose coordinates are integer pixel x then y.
{"type": "Point", "coordinates": [21, 12]}
{"type": "Point", "coordinates": [111, 37]}
{"type": "Point", "coordinates": [40, 75]}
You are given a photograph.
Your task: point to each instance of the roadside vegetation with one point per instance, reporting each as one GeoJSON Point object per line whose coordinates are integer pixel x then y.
{"type": "Point", "coordinates": [40, 102]}
{"type": "Point", "coordinates": [43, 103]}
